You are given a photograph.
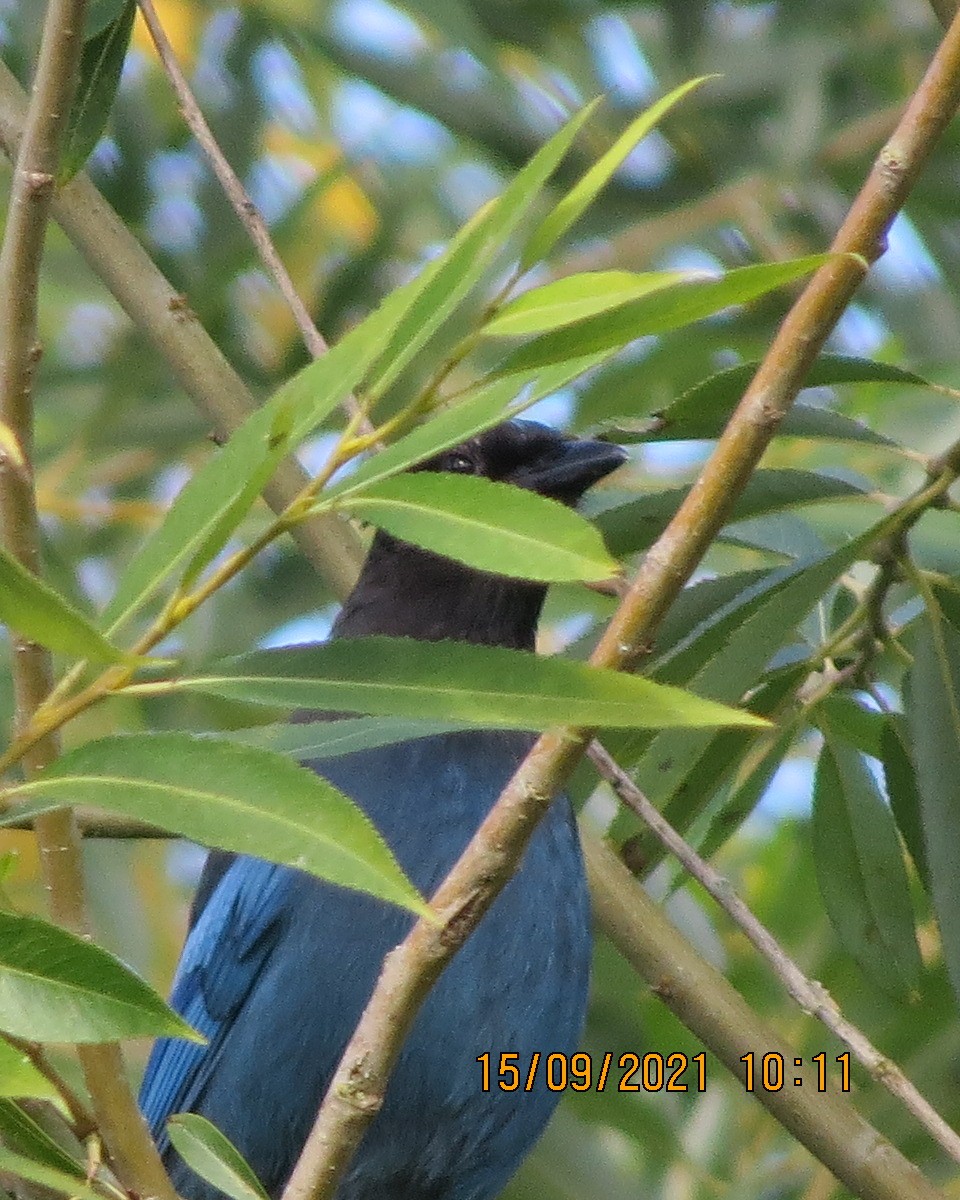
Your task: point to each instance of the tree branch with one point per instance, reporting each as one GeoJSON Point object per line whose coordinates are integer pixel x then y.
{"type": "Point", "coordinates": [164, 317]}
{"type": "Point", "coordinates": [708, 1005]}
{"type": "Point", "coordinates": [812, 996]}
{"type": "Point", "coordinates": [243, 206]}
{"type": "Point", "coordinates": [358, 1086]}
{"type": "Point", "coordinates": [58, 838]}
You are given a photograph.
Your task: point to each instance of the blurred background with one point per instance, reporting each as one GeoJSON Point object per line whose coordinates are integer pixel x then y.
{"type": "Point", "coordinates": [367, 133]}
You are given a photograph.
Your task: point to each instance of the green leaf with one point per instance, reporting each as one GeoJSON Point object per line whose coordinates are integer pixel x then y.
{"type": "Point", "coordinates": [492, 400]}
{"type": "Point", "coordinates": [860, 870]}
{"type": "Point", "coordinates": [55, 987]}
{"type": "Point", "coordinates": [312, 740]}
{"type": "Point", "coordinates": [199, 512]}
{"type": "Point", "coordinates": [469, 256]}
{"type": "Point", "coordinates": [57, 1181]}
{"type": "Point", "coordinates": [214, 500]}
{"type": "Point", "coordinates": [99, 14]}
{"type": "Point", "coordinates": [703, 410]}
{"type": "Point", "coordinates": [487, 407]}
{"type": "Point", "coordinates": [670, 308]}
{"type": "Point", "coordinates": [576, 297]}
{"type": "Point", "coordinates": [21, 1133]}
{"type": "Point", "coordinates": [19, 1077]}
{"type": "Point", "coordinates": [638, 522]}
{"type": "Point", "coordinates": [746, 792]}
{"type": "Point", "coordinates": [706, 775]}
{"type": "Point", "coordinates": [35, 610]}
{"type": "Point", "coordinates": [455, 680]}
{"type": "Point", "coordinates": [933, 717]}
{"type": "Point", "coordinates": [491, 526]}
{"type": "Point", "coordinates": [860, 727]}
{"type": "Point", "coordinates": [100, 67]}
{"type": "Point", "coordinates": [724, 659]}
{"type": "Point", "coordinates": [227, 795]}
{"type": "Point", "coordinates": [592, 182]}
{"type": "Point", "coordinates": [214, 1157]}
{"type": "Point", "coordinates": [275, 447]}
{"type": "Point", "coordinates": [900, 780]}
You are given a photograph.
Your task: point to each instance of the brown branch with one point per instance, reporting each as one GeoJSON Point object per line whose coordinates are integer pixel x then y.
{"type": "Point", "coordinates": [57, 834]}
{"type": "Point", "coordinates": [811, 995]}
{"type": "Point", "coordinates": [247, 212]}
{"type": "Point", "coordinates": [358, 1086]}
{"type": "Point", "coordinates": [82, 1120]}
{"type": "Point", "coordinates": [708, 1005]}
{"type": "Point", "coordinates": [166, 320]}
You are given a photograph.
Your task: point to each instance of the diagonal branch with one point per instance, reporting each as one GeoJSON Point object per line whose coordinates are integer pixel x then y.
{"type": "Point", "coordinates": [708, 1004]}
{"type": "Point", "coordinates": [358, 1086]}
{"type": "Point", "coordinates": [809, 994]}
{"type": "Point", "coordinates": [164, 317]}
{"type": "Point", "coordinates": [243, 206]}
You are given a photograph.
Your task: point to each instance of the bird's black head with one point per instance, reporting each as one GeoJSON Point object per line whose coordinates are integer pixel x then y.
{"type": "Point", "coordinates": [404, 591]}
{"type": "Point", "coordinates": [533, 456]}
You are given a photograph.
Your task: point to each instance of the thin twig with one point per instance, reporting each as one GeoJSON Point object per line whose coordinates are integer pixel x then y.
{"type": "Point", "coordinates": [248, 213]}
{"type": "Point", "coordinates": [83, 1122]}
{"type": "Point", "coordinates": [58, 838]}
{"type": "Point", "coordinates": [357, 1089]}
{"type": "Point", "coordinates": [708, 1005]}
{"type": "Point", "coordinates": [811, 995]}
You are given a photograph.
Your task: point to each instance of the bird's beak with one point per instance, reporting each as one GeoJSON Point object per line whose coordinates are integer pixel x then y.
{"type": "Point", "coordinates": [577, 466]}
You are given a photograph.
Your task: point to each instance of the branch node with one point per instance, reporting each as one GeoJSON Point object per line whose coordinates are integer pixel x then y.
{"type": "Point", "coordinates": [38, 183]}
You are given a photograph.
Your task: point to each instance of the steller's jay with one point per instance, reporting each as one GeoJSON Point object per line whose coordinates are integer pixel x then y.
{"type": "Point", "coordinates": [278, 965]}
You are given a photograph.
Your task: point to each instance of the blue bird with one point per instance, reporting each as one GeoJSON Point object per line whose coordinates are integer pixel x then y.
{"type": "Point", "coordinates": [278, 965]}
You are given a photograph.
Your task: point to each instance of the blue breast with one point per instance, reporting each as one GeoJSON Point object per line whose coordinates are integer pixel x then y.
{"type": "Point", "coordinates": [279, 966]}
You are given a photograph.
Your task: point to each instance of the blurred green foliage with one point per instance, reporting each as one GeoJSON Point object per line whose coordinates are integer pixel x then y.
{"type": "Point", "coordinates": [367, 134]}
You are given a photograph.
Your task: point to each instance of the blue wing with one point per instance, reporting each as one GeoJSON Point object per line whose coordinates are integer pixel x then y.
{"type": "Point", "coordinates": [232, 938]}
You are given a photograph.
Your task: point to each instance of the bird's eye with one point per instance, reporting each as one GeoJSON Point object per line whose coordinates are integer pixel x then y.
{"type": "Point", "coordinates": [462, 464]}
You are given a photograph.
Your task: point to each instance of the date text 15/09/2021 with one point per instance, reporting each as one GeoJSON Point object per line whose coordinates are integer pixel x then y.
{"type": "Point", "coordinates": [654, 1072]}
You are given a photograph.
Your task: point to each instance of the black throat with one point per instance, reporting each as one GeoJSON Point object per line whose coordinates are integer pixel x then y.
{"type": "Point", "coordinates": [404, 591]}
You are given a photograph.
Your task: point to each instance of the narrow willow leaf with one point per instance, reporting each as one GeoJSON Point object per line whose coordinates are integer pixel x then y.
{"type": "Point", "coordinates": [455, 681]}
{"type": "Point", "coordinates": [485, 408]}
{"type": "Point", "coordinates": [200, 510]}
{"type": "Point", "coordinates": [933, 717]}
{"type": "Point", "coordinates": [491, 401]}
{"type": "Point", "coordinates": [487, 525]}
{"type": "Point", "coordinates": [745, 794]}
{"type": "Point", "coordinates": [724, 659]}
{"type": "Point", "coordinates": [860, 870]}
{"type": "Point", "coordinates": [21, 1133]}
{"type": "Point", "coordinates": [663, 310]}
{"type": "Point", "coordinates": [100, 67]}
{"type": "Point", "coordinates": [639, 521]}
{"type": "Point", "coordinates": [215, 499]}
{"type": "Point", "coordinates": [55, 987]}
{"type": "Point", "coordinates": [588, 187]}
{"type": "Point", "coordinates": [58, 1181]}
{"type": "Point", "coordinates": [227, 795]}
{"type": "Point", "coordinates": [99, 14]}
{"type": "Point", "coordinates": [446, 282]}
{"type": "Point", "coordinates": [578, 296]}
{"type": "Point", "coordinates": [315, 740]}
{"type": "Point", "coordinates": [706, 775]}
{"type": "Point", "coordinates": [900, 778]}
{"type": "Point", "coordinates": [35, 610]}
{"type": "Point", "coordinates": [19, 1077]}
{"type": "Point", "coordinates": [214, 1157]}
{"type": "Point", "coordinates": [860, 727]}
{"type": "Point", "coordinates": [703, 410]}
{"type": "Point", "coordinates": [274, 449]}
